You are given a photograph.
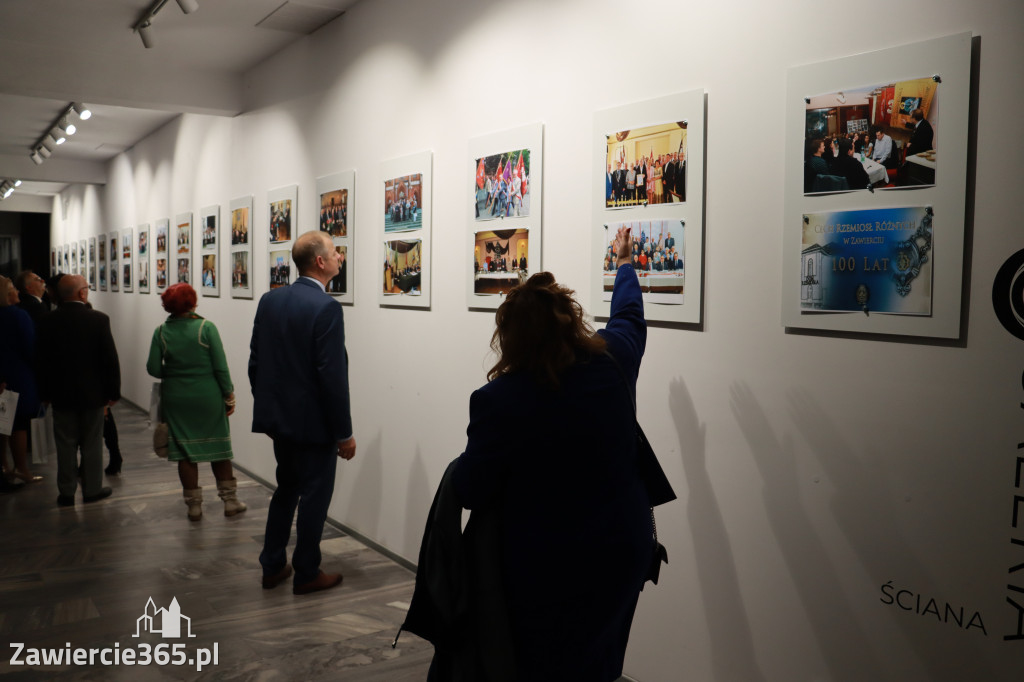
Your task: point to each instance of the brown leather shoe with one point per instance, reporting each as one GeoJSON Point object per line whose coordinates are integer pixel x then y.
{"type": "Point", "coordinates": [272, 581]}
{"type": "Point", "coordinates": [324, 581]}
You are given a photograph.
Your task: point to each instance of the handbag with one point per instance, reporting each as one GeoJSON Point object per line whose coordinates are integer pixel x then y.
{"type": "Point", "coordinates": [44, 445]}
{"type": "Point", "coordinates": [659, 490]}
{"type": "Point", "coordinates": [160, 439]}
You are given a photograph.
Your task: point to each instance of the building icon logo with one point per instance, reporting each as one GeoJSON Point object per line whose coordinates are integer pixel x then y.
{"type": "Point", "coordinates": [168, 622]}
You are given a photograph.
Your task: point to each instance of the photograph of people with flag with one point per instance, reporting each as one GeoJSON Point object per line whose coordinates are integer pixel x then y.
{"type": "Point", "coordinates": [502, 185]}
{"type": "Point", "coordinates": [646, 166]}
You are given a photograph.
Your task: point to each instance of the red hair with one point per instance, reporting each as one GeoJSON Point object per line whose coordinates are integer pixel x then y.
{"type": "Point", "coordinates": [179, 298]}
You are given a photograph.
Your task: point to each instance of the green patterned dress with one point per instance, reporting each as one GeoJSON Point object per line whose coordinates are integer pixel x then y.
{"type": "Point", "coordinates": [186, 353]}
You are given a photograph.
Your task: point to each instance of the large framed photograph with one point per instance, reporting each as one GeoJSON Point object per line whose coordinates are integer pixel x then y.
{"type": "Point", "coordinates": [650, 178]}
{"type": "Point", "coordinates": [142, 258]}
{"type": "Point", "coordinates": [505, 191]}
{"type": "Point", "coordinates": [181, 259]}
{"type": "Point", "coordinates": [101, 256]}
{"type": "Point", "coordinates": [92, 263]}
{"type": "Point", "coordinates": [281, 217]}
{"type": "Point", "coordinates": [115, 261]}
{"type": "Point", "coordinates": [404, 201]}
{"type": "Point", "coordinates": [162, 229]}
{"type": "Point", "coordinates": [858, 255]}
{"type": "Point", "coordinates": [126, 260]}
{"type": "Point", "coordinates": [241, 246]}
{"type": "Point", "coordinates": [337, 211]}
{"type": "Point", "coordinates": [83, 268]}
{"type": "Point", "coordinates": [209, 250]}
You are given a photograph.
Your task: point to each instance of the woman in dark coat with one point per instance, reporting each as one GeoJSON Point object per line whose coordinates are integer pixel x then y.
{"type": "Point", "coordinates": [17, 338]}
{"type": "Point", "coordinates": [551, 447]}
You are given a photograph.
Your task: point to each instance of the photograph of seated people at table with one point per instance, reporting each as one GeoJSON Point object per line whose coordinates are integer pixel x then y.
{"type": "Point", "coordinates": [500, 260]}
{"type": "Point", "coordinates": [646, 166]}
{"type": "Point", "coordinates": [878, 137]}
{"type": "Point", "coordinates": [403, 208]}
{"type": "Point", "coordinates": [657, 258]}
{"type": "Point", "coordinates": [402, 269]}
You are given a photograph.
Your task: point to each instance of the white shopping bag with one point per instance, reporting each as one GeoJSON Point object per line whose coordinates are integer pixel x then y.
{"type": "Point", "coordinates": [43, 444]}
{"type": "Point", "coordinates": [8, 404]}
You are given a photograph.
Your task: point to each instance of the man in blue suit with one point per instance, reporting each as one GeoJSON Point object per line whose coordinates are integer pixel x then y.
{"type": "Point", "coordinates": [298, 369]}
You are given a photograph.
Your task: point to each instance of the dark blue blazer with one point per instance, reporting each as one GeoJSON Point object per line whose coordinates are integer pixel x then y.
{"type": "Point", "coordinates": [298, 367]}
{"type": "Point", "coordinates": [560, 466]}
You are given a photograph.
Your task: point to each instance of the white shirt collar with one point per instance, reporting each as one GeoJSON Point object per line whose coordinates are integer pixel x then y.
{"type": "Point", "coordinates": [318, 282]}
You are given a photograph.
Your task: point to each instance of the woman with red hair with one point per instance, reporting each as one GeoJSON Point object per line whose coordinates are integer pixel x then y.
{"type": "Point", "coordinates": [196, 398]}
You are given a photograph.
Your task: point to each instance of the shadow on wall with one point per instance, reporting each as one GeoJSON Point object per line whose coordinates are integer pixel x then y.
{"type": "Point", "coordinates": [419, 496]}
{"type": "Point", "coordinates": [865, 512]}
{"type": "Point", "coordinates": [842, 642]}
{"type": "Point", "coordinates": [363, 506]}
{"type": "Point", "coordinates": [732, 646]}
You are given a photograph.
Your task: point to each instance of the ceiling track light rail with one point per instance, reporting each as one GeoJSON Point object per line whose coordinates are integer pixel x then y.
{"type": "Point", "coordinates": [144, 26]}
{"type": "Point", "coordinates": [58, 132]}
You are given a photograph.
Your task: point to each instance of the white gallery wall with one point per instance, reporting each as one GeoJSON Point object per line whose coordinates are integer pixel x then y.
{"type": "Point", "coordinates": [830, 486]}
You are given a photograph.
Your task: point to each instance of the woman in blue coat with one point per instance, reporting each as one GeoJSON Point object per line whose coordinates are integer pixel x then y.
{"type": "Point", "coordinates": [551, 447]}
{"type": "Point", "coordinates": [17, 337]}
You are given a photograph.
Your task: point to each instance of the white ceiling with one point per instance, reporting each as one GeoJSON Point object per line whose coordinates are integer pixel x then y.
{"type": "Point", "coordinates": [54, 52]}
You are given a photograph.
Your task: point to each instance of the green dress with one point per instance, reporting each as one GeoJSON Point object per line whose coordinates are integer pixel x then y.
{"type": "Point", "coordinates": [186, 353]}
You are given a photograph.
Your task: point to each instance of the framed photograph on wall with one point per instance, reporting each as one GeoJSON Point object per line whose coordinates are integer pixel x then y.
{"type": "Point", "coordinates": [126, 260]}
{"type": "Point", "coordinates": [101, 255]}
{"type": "Point", "coordinates": [142, 258]}
{"type": "Point", "coordinates": [162, 229]}
{"type": "Point", "coordinates": [337, 212]}
{"type": "Point", "coordinates": [53, 261]}
{"type": "Point", "coordinates": [282, 214]}
{"type": "Point", "coordinates": [505, 189]}
{"type": "Point", "coordinates": [83, 264]}
{"type": "Point", "coordinates": [650, 178]}
{"type": "Point", "coordinates": [209, 251]}
{"type": "Point", "coordinates": [241, 246]}
{"type": "Point", "coordinates": [404, 204]}
{"type": "Point", "coordinates": [92, 263]}
{"type": "Point", "coordinates": [182, 257]}
{"type": "Point", "coordinates": [67, 259]}
{"type": "Point", "coordinates": [115, 260]}
{"type": "Point", "coordinates": [73, 248]}
{"type": "Point", "coordinates": [858, 254]}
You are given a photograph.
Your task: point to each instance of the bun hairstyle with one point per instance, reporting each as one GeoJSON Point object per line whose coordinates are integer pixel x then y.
{"type": "Point", "coordinates": [179, 298]}
{"type": "Point", "coordinates": [540, 329]}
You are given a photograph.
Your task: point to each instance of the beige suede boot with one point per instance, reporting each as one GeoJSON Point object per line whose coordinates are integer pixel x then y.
{"type": "Point", "coordinates": [227, 490]}
{"type": "Point", "coordinates": [194, 500]}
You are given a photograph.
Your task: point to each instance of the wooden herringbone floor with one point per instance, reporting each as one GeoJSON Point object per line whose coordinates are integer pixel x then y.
{"type": "Point", "coordinates": [80, 577]}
